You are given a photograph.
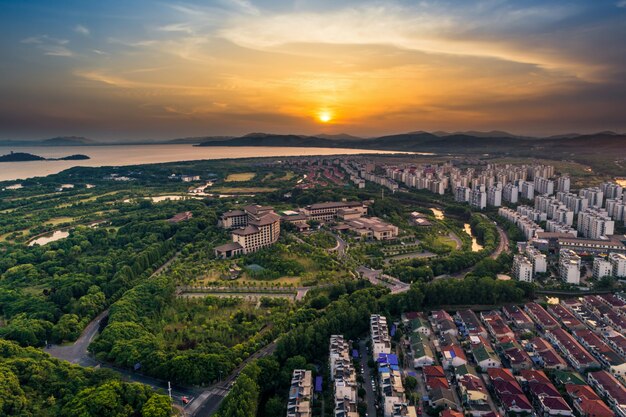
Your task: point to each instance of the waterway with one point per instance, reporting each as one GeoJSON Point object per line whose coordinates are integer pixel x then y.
{"type": "Point", "coordinates": [476, 247]}
{"type": "Point", "coordinates": [120, 155]}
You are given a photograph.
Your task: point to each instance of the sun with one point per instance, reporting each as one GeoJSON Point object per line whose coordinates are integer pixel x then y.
{"type": "Point", "coordinates": [325, 116]}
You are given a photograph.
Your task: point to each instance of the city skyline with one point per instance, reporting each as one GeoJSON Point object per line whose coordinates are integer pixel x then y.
{"type": "Point", "coordinates": [114, 71]}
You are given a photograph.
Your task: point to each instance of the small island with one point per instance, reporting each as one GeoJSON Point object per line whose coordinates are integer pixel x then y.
{"type": "Point", "coordinates": [26, 157]}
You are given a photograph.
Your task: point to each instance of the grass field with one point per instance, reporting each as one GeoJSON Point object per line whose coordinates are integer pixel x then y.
{"type": "Point", "coordinates": [446, 241]}
{"type": "Point", "coordinates": [240, 176]}
{"type": "Point", "coordinates": [242, 190]}
{"type": "Point", "coordinates": [58, 220]}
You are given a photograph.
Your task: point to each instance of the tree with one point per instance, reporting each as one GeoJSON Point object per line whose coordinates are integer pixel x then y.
{"type": "Point", "coordinates": [157, 406]}
{"type": "Point", "coordinates": [410, 383]}
{"type": "Point", "coordinates": [67, 328]}
{"type": "Point", "coordinates": [274, 407]}
{"type": "Point", "coordinates": [12, 397]}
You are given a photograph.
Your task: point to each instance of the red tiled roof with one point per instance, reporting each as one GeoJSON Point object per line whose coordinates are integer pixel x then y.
{"type": "Point", "coordinates": [434, 371]}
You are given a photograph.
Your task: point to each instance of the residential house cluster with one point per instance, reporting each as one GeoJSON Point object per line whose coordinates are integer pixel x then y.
{"type": "Point", "coordinates": [343, 377]}
{"type": "Point", "coordinates": [300, 394]}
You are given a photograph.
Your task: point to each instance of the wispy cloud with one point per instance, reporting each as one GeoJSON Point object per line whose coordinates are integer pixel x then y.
{"type": "Point", "coordinates": [621, 3]}
{"type": "Point", "coordinates": [83, 30]}
{"type": "Point", "coordinates": [57, 50]}
{"type": "Point", "coordinates": [49, 45]}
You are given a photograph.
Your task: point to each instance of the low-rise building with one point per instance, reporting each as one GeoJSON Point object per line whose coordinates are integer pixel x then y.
{"type": "Point", "coordinates": [300, 394]}
{"type": "Point", "coordinates": [328, 211]}
{"type": "Point", "coordinates": [372, 228]}
{"type": "Point", "coordinates": [610, 388]}
{"type": "Point", "coordinates": [421, 351]}
{"type": "Point", "coordinates": [343, 376]}
{"type": "Point", "coordinates": [381, 342]}
{"type": "Point", "coordinates": [572, 350]}
{"type": "Point", "coordinates": [586, 402]}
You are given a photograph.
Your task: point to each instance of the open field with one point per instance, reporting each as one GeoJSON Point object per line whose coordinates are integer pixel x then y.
{"type": "Point", "coordinates": [242, 190]}
{"type": "Point", "coordinates": [240, 176]}
{"type": "Point", "coordinates": [58, 220]}
{"type": "Point", "coordinates": [446, 241]}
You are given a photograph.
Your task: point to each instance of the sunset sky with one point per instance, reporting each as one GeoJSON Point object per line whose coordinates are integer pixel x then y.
{"type": "Point", "coordinates": [139, 69]}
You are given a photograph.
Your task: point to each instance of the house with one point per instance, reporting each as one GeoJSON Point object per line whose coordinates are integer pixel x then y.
{"type": "Point", "coordinates": [442, 397]}
{"type": "Point", "coordinates": [544, 320]}
{"type": "Point", "coordinates": [518, 317]}
{"type": "Point", "coordinates": [586, 402]}
{"type": "Point", "coordinates": [566, 318]}
{"type": "Point", "coordinates": [483, 353]}
{"type": "Point", "coordinates": [544, 393]}
{"type": "Point", "coordinates": [473, 394]}
{"type": "Point", "coordinates": [607, 357]}
{"type": "Point", "coordinates": [517, 358]}
{"type": "Point", "coordinates": [343, 377]}
{"type": "Point", "coordinates": [610, 388]}
{"type": "Point", "coordinates": [550, 359]}
{"type": "Point", "coordinates": [573, 351]}
{"type": "Point", "coordinates": [434, 377]}
{"type": "Point", "coordinates": [381, 342]}
{"type": "Point", "coordinates": [496, 325]}
{"type": "Point", "coordinates": [443, 323]}
{"type": "Point", "coordinates": [508, 391]}
{"type": "Point", "coordinates": [470, 324]}
{"type": "Point", "coordinates": [328, 211]}
{"type": "Point", "coordinates": [420, 350]}
{"type": "Point", "coordinates": [300, 394]}
{"type": "Point", "coordinates": [417, 323]}
{"type": "Point", "coordinates": [453, 356]}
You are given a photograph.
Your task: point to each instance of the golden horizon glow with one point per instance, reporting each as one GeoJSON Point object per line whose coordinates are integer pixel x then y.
{"type": "Point", "coordinates": [230, 67]}
{"type": "Point", "coordinates": [325, 116]}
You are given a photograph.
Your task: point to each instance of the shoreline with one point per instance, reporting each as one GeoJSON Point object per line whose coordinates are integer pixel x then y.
{"type": "Point", "coordinates": [119, 156]}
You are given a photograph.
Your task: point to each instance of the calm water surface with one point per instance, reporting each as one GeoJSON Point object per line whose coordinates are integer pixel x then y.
{"type": "Point", "coordinates": [145, 154]}
{"type": "Point", "coordinates": [52, 237]}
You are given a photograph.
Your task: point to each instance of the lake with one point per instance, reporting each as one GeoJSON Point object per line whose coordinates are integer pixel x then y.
{"type": "Point", "coordinates": [52, 237]}
{"type": "Point", "coordinates": [118, 155]}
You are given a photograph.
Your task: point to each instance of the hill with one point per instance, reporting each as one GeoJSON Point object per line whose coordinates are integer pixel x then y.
{"type": "Point", "coordinates": [68, 141]}
{"type": "Point", "coordinates": [454, 143]}
{"type": "Point", "coordinates": [20, 157]}
{"type": "Point", "coordinates": [26, 157]}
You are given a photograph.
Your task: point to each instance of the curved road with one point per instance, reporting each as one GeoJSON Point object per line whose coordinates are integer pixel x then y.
{"type": "Point", "coordinates": [503, 243]}
{"type": "Point", "coordinates": [76, 353]}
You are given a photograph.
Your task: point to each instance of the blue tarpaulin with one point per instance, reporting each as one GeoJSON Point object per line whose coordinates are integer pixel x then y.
{"type": "Point", "coordinates": [393, 330]}
{"type": "Point", "coordinates": [318, 384]}
{"type": "Point", "coordinates": [355, 353]}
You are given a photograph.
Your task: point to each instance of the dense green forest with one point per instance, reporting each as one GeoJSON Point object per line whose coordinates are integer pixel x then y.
{"type": "Point", "coordinates": [33, 384]}
{"type": "Point", "coordinates": [118, 237]}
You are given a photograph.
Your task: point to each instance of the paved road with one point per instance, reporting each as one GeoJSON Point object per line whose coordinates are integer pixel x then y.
{"type": "Point", "coordinates": [341, 246]}
{"type": "Point", "coordinates": [370, 394]}
{"type": "Point", "coordinates": [76, 353]}
{"type": "Point", "coordinates": [457, 240]}
{"type": "Point", "coordinates": [376, 277]}
{"type": "Point", "coordinates": [503, 244]}
{"type": "Point", "coordinates": [207, 403]}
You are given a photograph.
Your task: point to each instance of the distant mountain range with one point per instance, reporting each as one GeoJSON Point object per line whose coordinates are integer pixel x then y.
{"type": "Point", "coordinates": [487, 142]}
{"type": "Point", "coordinates": [58, 141]}
{"type": "Point", "coordinates": [472, 142]}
